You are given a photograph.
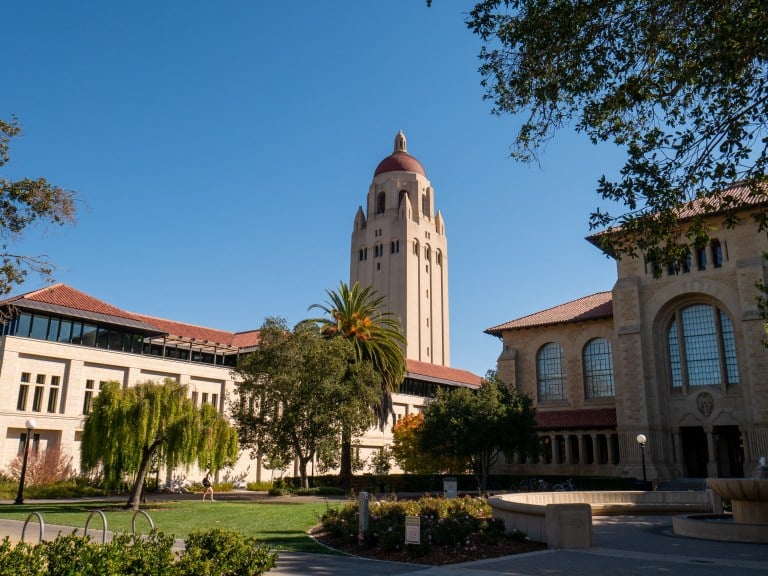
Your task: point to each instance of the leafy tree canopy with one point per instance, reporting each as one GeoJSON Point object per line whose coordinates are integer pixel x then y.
{"type": "Point", "coordinates": [474, 427]}
{"type": "Point", "coordinates": [128, 427]}
{"type": "Point", "coordinates": [23, 203]}
{"type": "Point", "coordinates": [408, 453]}
{"type": "Point", "coordinates": [681, 86]}
{"type": "Point", "coordinates": [300, 390]}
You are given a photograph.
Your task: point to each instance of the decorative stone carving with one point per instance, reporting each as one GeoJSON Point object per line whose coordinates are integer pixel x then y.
{"type": "Point", "coordinates": [705, 403]}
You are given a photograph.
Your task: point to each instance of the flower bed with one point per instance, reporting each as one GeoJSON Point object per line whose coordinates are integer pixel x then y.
{"type": "Point", "coordinates": [452, 530]}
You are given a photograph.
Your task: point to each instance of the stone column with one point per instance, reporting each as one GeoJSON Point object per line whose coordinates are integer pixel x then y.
{"type": "Point", "coordinates": [712, 452]}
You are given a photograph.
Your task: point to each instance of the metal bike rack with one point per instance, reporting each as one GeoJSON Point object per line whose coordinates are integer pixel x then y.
{"type": "Point", "coordinates": [104, 524]}
{"type": "Point", "coordinates": [41, 524]}
{"type": "Point", "coordinates": [147, 516]}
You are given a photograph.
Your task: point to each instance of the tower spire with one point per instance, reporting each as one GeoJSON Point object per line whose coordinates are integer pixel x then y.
{"type": "Point", "coordinates": [400, 142]}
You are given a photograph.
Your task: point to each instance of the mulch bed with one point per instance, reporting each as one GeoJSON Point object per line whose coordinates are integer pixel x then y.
{"type": "Point", "coordinates": [437, 556]}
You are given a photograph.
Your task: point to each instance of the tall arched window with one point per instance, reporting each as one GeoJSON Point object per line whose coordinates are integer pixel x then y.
{"type": "Point", "coordinates": [598, 369]}
{"type": "Point", "coordinates": [702, 350]}
{"type": "Point", "coordinates": [425, 205]}
{"type": "Point", "coordinates": [381, 203]}
{"type": "Point", "coordinates": [550, 372]}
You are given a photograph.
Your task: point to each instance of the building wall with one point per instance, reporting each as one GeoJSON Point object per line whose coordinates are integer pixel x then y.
{"type": "Point", "coordinates": [76, 365]}
{"type": "Point", "coordinates": [698, 430]}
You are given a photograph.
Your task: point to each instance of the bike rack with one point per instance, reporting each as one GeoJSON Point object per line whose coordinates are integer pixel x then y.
{"type": "Point", "coordinates": [104, 524]}
{"type": "Point", "coordinates": [41, 524]}
{"type": "Point", "coordinates": [147, 516]}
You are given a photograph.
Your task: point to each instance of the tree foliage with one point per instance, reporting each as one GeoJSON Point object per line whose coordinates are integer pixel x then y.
{"type": "Point", "coordinates": [356, 314]}
{"type": "Point", "coordinates": [474, 427]}
{"type": "Point", "coordinates": [23, 203]}
{"type": "Point", "coordinates": [681, 86]}
{"type": "Point", "coordinates": [129, 427]}
{"type": "Point", "coordinates": [300, 390]}
{"type": "Point", "coordinates": [408, 453]}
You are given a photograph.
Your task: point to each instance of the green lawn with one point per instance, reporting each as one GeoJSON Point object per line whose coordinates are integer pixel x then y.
{"type": "Point", "coordinates": [282, 526]}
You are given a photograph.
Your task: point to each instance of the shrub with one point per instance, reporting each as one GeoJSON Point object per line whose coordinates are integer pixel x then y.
{"type": "Point", "coordinates": [459, 522]}
{"type": "Point", "coordinates": [215, 552]}
{"type": "Point", "coordinates": [221, 552]}
{"type": "Point", "coordinates": [44, 467]}
{"type": "Point", "coordinates": [258, 486]}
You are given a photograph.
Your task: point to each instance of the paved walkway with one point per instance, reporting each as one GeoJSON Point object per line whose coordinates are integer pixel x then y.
{"type": "Point", "coordinates": [623, 546]}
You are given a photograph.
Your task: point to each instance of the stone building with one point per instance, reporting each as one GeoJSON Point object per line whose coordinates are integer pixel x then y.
{"type": "Point", "coordinates": [676, 355]}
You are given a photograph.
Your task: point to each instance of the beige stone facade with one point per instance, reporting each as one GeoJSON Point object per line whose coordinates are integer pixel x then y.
{"type": "Point", "coordinates": [399, 247]}
{"type": "Point", "coordinates": [685, 358]}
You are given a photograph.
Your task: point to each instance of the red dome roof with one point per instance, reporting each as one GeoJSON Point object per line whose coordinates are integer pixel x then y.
{"type": "Point", "coordinates": [400, 162]}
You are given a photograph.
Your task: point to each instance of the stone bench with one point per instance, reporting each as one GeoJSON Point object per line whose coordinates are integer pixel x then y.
{"type": "Point", "coordinates": [564, 519]}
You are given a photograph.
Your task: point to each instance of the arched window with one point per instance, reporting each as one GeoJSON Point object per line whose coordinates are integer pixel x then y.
{"type": "Point", "coordinates": [439, 258]}
{"type": "Point", "coordinates": [403, 194]}
{"type": "Point", "coordinates": [425, 205]}
{"type": "Point", "coordinates": [381, 203]}
{"type": "Point", "coordinates": [550, 372]}
{"type": "Point", "coordinates": [702, 350]}
{"type": "Point", "coordinates": [701, 257]}
{"type": "Point", "coordinates": [427, 253]}
{"type": "Point", "coordinates": [416, 247]}
{"type": "Point", "coordinates": [598, 369]}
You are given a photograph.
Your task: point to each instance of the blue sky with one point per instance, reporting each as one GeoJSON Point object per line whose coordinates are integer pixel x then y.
{"type": "Point", "coordinates": [220, 152]}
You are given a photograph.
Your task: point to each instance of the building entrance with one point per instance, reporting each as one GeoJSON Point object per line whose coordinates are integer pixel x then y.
{"type": "Point", "coordinates": [730, 451]}
{"type": "Point", "coordinates": [695, 453]}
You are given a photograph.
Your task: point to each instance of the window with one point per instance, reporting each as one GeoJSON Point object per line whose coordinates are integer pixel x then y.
{"type": "Point", "coordinates": [550, 372]}
{"type": "Point", "coordinates": [39, 327]}
{"type": "Point", "coordinates": [194, 399]}
{"type": "Point", "coordinates": [37, 399]}
{"type": "Point", "coordinates": [21, 402]}
{"type": "Point", "coordinates": [439, 258]}
{"type": "Point", "coordinates": [598, 369]}
{"type": "Point", "coordinates": [701, 258]}
{"type": "Point", "coordinates": [53, 394]}
{"type": "Point", "coordinates": [215, 400]}
{"type": "Point", "coordinates": [205, 398]}
{"type": "Point", "coordinates": [427, 253]}
{"type": "Point", "coordinates": [717, 252]}
{"type": "Point", "coordinates": [88, 397]}
{"type": "Point", "coordinates": [416, 247]}
{"type": "Point", "coordinates": [381, 203]}
{"type": "Point", "coordinates": [425, 205]}
{"type": "Point", "coordinates": [394, 247]}
{"type": "Point", "coordinates": [701, 347]}
{"type": "Point", "coordinates": [686, 262]}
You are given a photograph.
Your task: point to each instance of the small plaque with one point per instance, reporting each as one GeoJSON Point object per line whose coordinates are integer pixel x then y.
{"type": "Point", "coordinates": [412, 530]}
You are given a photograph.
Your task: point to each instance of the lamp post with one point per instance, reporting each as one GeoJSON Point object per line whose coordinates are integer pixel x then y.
{"type": "Point", "coordinates": [20, 496]}
{"type": "Point", "coordinates": [641, 439]}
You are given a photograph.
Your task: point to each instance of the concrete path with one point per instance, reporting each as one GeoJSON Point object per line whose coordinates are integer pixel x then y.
{"type": "Point", "coordinates": [624, 546]}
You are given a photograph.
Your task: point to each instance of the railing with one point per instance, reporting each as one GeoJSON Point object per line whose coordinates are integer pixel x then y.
{"type": "Point", "coordinates": [41, 535]}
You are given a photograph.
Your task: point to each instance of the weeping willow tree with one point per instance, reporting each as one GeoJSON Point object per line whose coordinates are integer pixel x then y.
{"type": "Point", "coordinates": [129, 427]}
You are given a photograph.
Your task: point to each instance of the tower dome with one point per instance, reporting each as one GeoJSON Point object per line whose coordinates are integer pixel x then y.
{"type": "Point", "coordinates": [400, 160]}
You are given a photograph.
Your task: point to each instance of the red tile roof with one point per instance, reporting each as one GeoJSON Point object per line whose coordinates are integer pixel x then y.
{"type": "Point", "coordinates": [579, 419]}
{"type": "Point", "coordinates": [594, 307]}
{"type": "Point", "coordinates": [425, 370]}
{"type": "Point", "coordinates": [63, 295]}
{"type": "Point", "coordinates": [736, 195]}
{"type": "Point", "coordinates": [68, 297]}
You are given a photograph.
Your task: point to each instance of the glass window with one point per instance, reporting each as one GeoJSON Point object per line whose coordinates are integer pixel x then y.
{"type": "Point", "coordinates": [381, 203]}
{"type": "Point", "coordinates": [550, 372]}
{"type": "Point", "coordinates": [598, 369]}
{"type": "Point", "coordinates": [89, 335]}
{"type": "Point", "coordinates": [53, 398]}
{"type": "Point", "coordinates": [37, 400]}
{"type": "Point", "coordinates": [65, 330]}
{"type": "Point", "coordinates": [21, 403]}
{"type": "Point", "coordinates": [24, 324]}
{"type": "Point", "coordinates": [701, 347]}
{"type": "Point", "coordinates": [53, 329]}
{"type": "Point", "coordinates": [102, 337]}
{"type": "Point", "coordinates": [77, 332]}
{"type": "Point", "coordinates": [88, 397]}
{"type": "Point", "coordinates": [39, 327]}
{"type": "Point", "coordinates": [701, 258]}
{"type": "Point", "coordinates": [717, 253]}
{"type": "Point", "coordinates": [215, 400]}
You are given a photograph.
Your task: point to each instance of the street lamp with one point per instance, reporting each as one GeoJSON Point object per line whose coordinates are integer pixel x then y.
{"type": "Point", "coordinates": [641, 439]}
{"type": "Point", "coordinates": [20, 496]}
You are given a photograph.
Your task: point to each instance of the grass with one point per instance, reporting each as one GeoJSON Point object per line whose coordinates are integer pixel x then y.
{"type": "Point", "coordinates": [283, 526]}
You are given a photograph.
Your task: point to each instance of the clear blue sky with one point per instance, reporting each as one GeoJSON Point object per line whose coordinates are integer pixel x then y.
{"type": "Point", "coordinates": [221, 149]}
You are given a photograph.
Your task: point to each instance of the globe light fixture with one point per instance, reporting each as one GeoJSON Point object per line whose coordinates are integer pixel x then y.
{"type": "Point", "coordinates": [642, 440]}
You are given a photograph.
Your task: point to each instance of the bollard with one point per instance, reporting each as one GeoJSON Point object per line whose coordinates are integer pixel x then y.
{"type": "Point", "coordinates": [363, 511]}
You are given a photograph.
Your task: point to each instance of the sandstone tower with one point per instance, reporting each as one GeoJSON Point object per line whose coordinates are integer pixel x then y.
{"type": "Point", "coordinates": [399, 247]}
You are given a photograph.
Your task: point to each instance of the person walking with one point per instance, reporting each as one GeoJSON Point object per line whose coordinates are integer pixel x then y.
{"type": "Point", "coordinates": [208, 485]}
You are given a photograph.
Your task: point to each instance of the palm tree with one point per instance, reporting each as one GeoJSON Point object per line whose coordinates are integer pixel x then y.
{"type": "Point", "coordinates": [356, 314]}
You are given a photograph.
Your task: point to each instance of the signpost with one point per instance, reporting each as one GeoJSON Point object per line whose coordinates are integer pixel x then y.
{"type": "Point", "coordinates": [412, 530]}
